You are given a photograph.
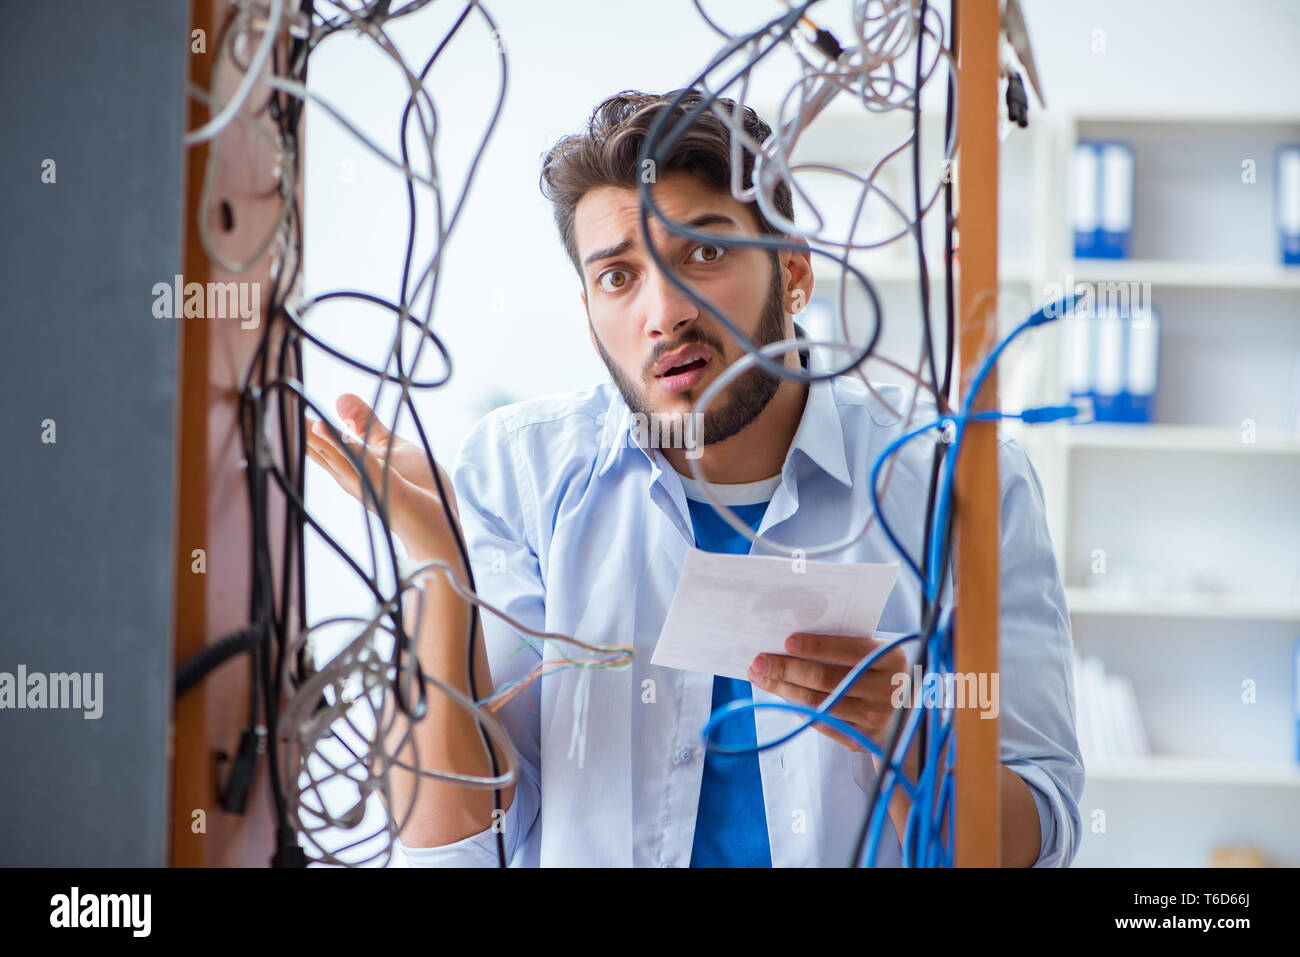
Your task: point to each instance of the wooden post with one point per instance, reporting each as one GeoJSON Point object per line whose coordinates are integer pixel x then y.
{"type": "Point", "coordinates": [212, 492]}
{"type": "Point", "coordinates": [979, 807]}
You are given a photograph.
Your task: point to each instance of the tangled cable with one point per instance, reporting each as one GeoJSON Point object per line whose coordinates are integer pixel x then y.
{"type": "Point", "coordinates": [868, 71]}
{"type": "Point", "coordinates": [348, 705]}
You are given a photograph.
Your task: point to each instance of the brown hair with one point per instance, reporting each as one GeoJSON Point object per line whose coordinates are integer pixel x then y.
{"type": "Point", "coordinates": [605, 154]}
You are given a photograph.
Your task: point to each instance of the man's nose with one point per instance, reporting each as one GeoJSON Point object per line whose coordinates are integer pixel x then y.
{"type": "Point", "coordinates": [669, 310]}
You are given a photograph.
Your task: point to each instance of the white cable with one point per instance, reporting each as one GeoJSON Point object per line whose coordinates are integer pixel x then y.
{"type": "Point", "coordinates": [222, 119]}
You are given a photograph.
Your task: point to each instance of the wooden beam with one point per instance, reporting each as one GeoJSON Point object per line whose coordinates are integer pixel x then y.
{"type": "Point", "coordinates": [976, 536]}
{"type": "Point", "coordinates": [212, 492]}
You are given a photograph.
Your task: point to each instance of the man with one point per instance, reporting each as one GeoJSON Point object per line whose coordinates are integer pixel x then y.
{"type": "Point", "coordinates": [574, 526]}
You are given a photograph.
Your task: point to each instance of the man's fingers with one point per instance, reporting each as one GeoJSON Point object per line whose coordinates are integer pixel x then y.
{"type": "Point", "coordinates": [322, 453]}
{"type": "Point", "coordinates": [352, 408]}
{"type": "Point", "coordinates": [320, 433]}
{"type": "Point", "coordinates": [871, 711]}
{"type": "Point", "coordinates": [810, 674]}
{"type": "Point", "coordinates": [337, 450]}
{"type": "Point", "coordinates": [374, 465]}
{"type": "Point", "coordinates": [325, 433]}
{"type": "Point", "coordinates": [866, 716]}
{"type": "Point", "coordinates": [340, 465]}
{"type": "Point", "coordinates": [340, 470]}
{"type": "Point", "coordinates": [404, 458]}
{"type": "Point", "coordinates": [326, 451]}
{"type": "Point", "coordinates": [838, 649]}
{"type": "Point", "coordinates": [823, 677]}
{"type": "Point", "coordinates": [846, 650]}
{"type": "Point", "coordinates": [797, 694]}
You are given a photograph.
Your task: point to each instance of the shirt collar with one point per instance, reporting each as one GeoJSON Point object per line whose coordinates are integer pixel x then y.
{"type": "Point", "coordinates": [820, 436]}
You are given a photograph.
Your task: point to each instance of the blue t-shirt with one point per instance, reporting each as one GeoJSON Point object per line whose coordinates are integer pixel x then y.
{"type": "Point", "coordinates": [731, 824]}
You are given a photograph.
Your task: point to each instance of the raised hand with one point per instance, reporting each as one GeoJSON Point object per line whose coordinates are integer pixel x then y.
{"type": "Point", "coordinates": [416, 512]}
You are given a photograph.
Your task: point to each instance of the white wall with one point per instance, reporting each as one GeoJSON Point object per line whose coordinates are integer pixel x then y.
{"type": "Point", "coordinates": [1167, 56]}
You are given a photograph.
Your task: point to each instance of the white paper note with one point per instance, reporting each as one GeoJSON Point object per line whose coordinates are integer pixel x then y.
{"type": "Point", "coordinates": [729, 608]}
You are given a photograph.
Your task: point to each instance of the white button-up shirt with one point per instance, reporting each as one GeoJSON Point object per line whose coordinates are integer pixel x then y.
{"type": "Point", "coordinates": [574, 528]}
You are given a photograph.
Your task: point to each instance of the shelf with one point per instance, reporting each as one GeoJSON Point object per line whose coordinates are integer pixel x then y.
{"type": "Point", "coordinates": [1189, 118]}
{"type": "Point", "coordinates": [1105, 601]}
{"type": "Point", "coordinates": [1178, 438]}
{"type": "Point", "coordinates": [1179, 770]}
{"type": "Point", "coordinates": [888, 270]}
{"type": "Point", "coordinates": [1190, 275]}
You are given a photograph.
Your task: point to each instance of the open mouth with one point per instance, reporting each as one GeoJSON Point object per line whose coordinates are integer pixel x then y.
{"type": "Point", "coordinates": [684, 376]}
{"type": "Point", "coordinates": [685, 367]}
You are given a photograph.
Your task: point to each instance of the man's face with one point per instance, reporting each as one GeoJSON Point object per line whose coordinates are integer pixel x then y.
{"type": "Point", "coordinates": [660, 349]}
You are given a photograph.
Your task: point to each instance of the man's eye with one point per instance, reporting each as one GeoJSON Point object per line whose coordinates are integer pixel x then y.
{"type": "Point", "coordinates": [708, 253]}
{"type": "Point", "coordinates": [613, 281]}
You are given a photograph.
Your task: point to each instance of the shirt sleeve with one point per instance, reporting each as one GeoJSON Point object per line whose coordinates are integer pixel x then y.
{"type": "Point", "coordinates": [497, 509]}
{"type": "Point", "coordinates": [1035, 696]}
{"type": "Point", "coordinates": [480, 850]}
{"type": "Point", "coordinates": [1037, 710]}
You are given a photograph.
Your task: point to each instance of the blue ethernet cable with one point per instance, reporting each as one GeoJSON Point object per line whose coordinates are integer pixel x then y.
{"type": "Point", "coordinates": [895, 775]}
{"type": "Point", "coordinates": [814, 714]}
{"type": "Point", "coordinates": [919, 819]}
{"type": "Point", "coordinates": [1048, 312]}
{"type": "Point", "coordinates": [922, 822]}
{"type": "Point", "coordinates": [937, 740]}
{"type": "Point", "coordinates": [820, 714]}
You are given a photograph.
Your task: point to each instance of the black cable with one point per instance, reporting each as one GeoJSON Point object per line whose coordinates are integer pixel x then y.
{"type": "Point", "coordinates": [929, 611]}
{"type": "Point", "coordinates": [402, 310]}
{"type": "Point", "coordinates": [942, 395]}
{"type": "Point", "coordinates": [917, 229]}
{"type": "Point", "coordinates": [949, 126]}
{"type": "Point", "coordinates": [935, 467]}
{"type": "Point", "coordinates": [213, 656]}
{"type": "Point", "coordinates": [930, 622]}
{"type": "Point", "coordinates": [470, 642]}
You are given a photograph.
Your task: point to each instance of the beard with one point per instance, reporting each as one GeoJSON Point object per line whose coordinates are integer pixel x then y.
{"type": "Point", "coordinates": [749, 394]}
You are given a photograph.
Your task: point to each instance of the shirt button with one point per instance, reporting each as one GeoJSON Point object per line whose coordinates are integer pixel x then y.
{"type": "Point", "coordinates": [780, 759]}
{"type": "Point", "coordinates": [665, 863]}
{"type": "Point", "coordinates": [683, 755]}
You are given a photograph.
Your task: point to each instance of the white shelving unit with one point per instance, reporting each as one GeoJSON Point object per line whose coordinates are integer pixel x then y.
{"type": "Point", "coordinates": [1198, 514]}
{"type": "Point", "coordinates": [1100, 602]}
{"type": "Point", "coordinates": [1187, 275]}
{"type": "Point", "coordinates": [1196, 518]}
{"type": "Point", "coordinates": [1195, 771]}
{"type": "Point", "coordinates": [1181, 438]}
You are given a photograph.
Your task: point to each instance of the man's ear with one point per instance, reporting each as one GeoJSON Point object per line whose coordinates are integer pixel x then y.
{"type": "Point", "coordinates": [799, 274]}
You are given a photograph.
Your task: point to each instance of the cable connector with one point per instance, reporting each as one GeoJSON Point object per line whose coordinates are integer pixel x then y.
{"type": "Point", "coordinates": [1087, 409]}
{"type": "Point", "coordinates": [1080, 410]}
{"type": "Point", "coordinates": [827, 43]}
{"type": "Point", "coordinates": [234, 796]}
{"type": "Point", "coordinates": [288, 852]}
{"type": "Point", "coordinates": [1017, 100]}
